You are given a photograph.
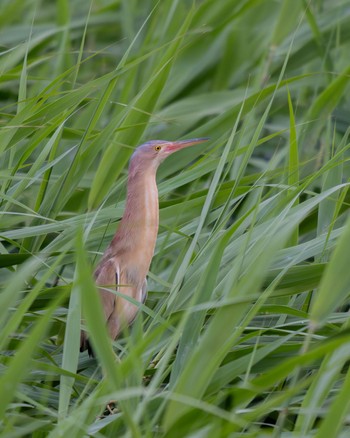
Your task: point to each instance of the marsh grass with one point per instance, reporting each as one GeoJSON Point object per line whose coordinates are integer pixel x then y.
{"type": "Point", "coordinates": [245, 331]}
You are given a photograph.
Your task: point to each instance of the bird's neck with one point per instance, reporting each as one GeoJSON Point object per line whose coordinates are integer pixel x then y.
{"type": "Point", "coordinates": [139, 225]}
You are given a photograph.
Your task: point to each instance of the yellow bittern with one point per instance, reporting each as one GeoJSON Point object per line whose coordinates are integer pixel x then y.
{"type": "Point", "coordinates": [126, 261]}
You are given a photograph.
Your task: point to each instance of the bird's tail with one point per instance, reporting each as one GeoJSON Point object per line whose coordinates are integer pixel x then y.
{"type": "Point", "coordinates": [85, 344]}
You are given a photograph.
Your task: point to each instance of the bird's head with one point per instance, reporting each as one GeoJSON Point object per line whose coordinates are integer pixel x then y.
{"type": "Point", "coordinates": [154, 152]}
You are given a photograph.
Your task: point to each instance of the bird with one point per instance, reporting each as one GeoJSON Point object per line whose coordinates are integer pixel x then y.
{"type": "Point", "coordinates": [125, 263]}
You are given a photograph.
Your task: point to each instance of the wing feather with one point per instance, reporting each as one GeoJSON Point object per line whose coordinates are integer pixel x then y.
{"type": "Point", "coordinates": [118, 311]}
{"type": "Point", "coordinates": [106, 275]}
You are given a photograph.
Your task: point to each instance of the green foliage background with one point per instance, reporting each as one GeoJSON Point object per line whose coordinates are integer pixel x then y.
{"type": "Point", "coordinates": [246, 330]}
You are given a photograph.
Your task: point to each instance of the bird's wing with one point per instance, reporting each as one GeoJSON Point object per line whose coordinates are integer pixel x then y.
{"type": "Point", "coordinates": [125, 311]}
{"type": "Point", "coordinates": [106, 277]}
{"type": "Point", "coordinates": [118, 311]}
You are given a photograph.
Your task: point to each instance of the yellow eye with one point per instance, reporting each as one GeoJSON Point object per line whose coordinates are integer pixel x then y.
{"type": "Point", "coordinates": [157, 148]}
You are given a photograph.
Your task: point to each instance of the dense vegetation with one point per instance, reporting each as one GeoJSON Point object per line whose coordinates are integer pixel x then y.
{"type": "Point", "coordinates": [246, 329]}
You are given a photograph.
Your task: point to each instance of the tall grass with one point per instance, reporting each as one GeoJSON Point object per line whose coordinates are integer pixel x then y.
{"type": "Point", "coordinates": [246, 330]}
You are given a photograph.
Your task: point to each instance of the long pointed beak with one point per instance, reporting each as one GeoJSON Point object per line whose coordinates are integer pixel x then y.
{"type": "Point", "coordinates": [173, 146]}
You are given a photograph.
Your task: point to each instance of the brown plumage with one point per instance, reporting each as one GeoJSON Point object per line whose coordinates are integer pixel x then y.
{"type": "Point", "coordinates": [126, 261]}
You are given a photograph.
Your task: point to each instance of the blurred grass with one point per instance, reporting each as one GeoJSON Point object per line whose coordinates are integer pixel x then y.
{"type": "Point", "coordinates": [246, 329]}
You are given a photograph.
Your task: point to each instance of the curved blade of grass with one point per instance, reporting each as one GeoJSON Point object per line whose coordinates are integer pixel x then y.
{"type": "Point", "coordinates": [70, 350]}
{"type": "Point", "coordinates": [335, 283]}
{"type": "Point", "coordinates": [15, 371]}
{"type": "Point", "coordinates": [336, 415]}
{"type": "Point", "coordinates": [93, 314]}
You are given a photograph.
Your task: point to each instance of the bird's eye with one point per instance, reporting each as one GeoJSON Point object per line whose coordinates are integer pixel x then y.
{"type": "Point", "coordinates": [157, 148]}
